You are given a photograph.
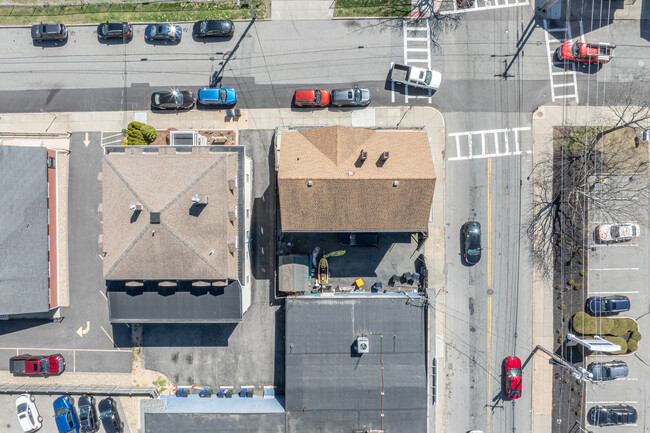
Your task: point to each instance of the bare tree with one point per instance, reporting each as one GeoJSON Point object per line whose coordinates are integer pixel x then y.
{"type": "Point", "coordinates": [590, 171]}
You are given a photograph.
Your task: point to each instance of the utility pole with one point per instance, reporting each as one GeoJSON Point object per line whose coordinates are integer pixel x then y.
{"type": "Point", "coordinates": [579, 373]}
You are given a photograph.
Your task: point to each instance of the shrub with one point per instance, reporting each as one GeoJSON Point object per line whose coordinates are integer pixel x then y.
{"type": "Point", "coordinates": [566, 318]}
{"type": "Point", "coordinates": [580, 251]}
{"type": "Point", "coordinates": [560, 339]}
{"type": "Point", "coordinates": [578, 412]}
{"type": "Point", "coordinates": [632, 345]}
{"type": "Point", "coordinates": [558, 287]}
{"type": "Point", "coordinates": [582, 272]}
{"type": "Point", "coordinates": [578, 286]}
{"type": "Point", "coordinates": [585, 324]}
{"type": "Point", "coordinates": [636, 335]}
{"type": "Point", "coordinates": [574, 388]}
{"type": "Point", "coordinates": [621, 342]}
{"type": "Point", "coordinates": [581, 261]}
{"type": "Point", "coordinates": [148, 132]}
{"type": "Point", "coordinates": [570, 282]}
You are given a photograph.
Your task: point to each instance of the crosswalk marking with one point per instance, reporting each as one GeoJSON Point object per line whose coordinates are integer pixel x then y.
{"type": "Point", "coordinates": [563, 32]}
{"type": "Point", "coordinates": [465, 143]}
{"type": "Point", "coordinates": [448, 7]}
{"type": "Point", "coordinates": [417, 40]}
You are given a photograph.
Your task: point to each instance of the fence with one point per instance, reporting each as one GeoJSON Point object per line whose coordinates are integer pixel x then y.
{"type": "Point", "coordinates": [123, 391]}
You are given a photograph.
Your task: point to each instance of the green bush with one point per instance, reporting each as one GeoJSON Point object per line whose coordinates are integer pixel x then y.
{"type": "Point", "coordinates": [135, 135]}
{"type": "Point", "coordinates": [636, 335]}
{"type": "Point", "coordinates": [570, 282]}
{"type": "Point", "coordinates": [585, 324]}
{"type": "Point", "coordinates": [148, 132]}
{"type": "Point", "coordinates": [632, 345]}
{"type": "Point", "coordinates": [621, 342]}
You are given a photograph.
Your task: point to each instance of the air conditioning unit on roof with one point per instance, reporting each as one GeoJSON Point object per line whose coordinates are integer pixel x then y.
{"type": "Point", "coordinates": [363, 345]}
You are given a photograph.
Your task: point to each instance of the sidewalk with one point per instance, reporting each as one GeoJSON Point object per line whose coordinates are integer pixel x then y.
{"type": "Point", "coordinates": [302, 10]}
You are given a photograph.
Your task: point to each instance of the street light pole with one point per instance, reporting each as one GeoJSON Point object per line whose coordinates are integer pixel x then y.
{"type": "Point", "coordinates": [579, 373]}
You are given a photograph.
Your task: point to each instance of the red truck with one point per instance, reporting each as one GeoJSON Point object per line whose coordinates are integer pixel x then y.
{"type": "Point", "coordinates": [583, 52]}
{"type": "Point", "coordinates": [36, 365]}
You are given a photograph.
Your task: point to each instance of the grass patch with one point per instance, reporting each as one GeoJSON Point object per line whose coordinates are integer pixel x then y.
{"type": "Point", "coordinates": [152, 12]}
{"type": "Point", "coordinates": [372, 8]}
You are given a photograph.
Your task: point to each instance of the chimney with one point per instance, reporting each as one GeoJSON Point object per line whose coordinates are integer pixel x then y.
{"type": "Point", "coordinates": [200, 199]}
{"type": "Point", "coordinates": [232, 215]}
{"type": "Point", "coordinates": [363, 156]}
{"type": "Point", "coordinates": [100, 212]}
{"type": "Point", "coordinates": [137, 207]}
{"type": "Point", "coordinates": [384, 156]}
{"type": "Point", "coordinates": [232, 247]}
{"type": "Point", "coordinates": [100, 180]}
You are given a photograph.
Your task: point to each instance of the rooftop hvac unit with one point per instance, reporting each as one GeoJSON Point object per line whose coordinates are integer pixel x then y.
{"type": "Point", "coordinates": [363, 345]}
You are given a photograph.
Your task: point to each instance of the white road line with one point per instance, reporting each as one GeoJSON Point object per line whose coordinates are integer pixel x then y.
{"type": "Point", "coordinates": [480, 8]}
{"type": "Point", "coordinates": [613, 269]}
{"type": "Point", "coordinates": [109, 337]}
{"type": "Point", "coordinates": [102, 293]}
{"type": "Point", "coordinates": [607, 293]}
{"type": "Point", "coordinates": [551, 56]}
{"type": "Point", "coordinates": [613, 245]}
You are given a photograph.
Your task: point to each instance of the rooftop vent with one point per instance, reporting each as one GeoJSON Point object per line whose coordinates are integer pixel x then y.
{"type": "Point", "coordinates": [232, 183]}
{"type": "Point", "coordinates": [154, 217]}
{"type": "Point", "coordinates": [363, 156]}
{"type": "Point", "coordinates": [136, 207]}
{"type": "Point", "coordinates": [232, 247]}
{"type": "Point", "coordinates": [200, 199]}
{"type": "Point", "coordinates": [232, 215]}
{"type": "Point", "coordinates": [363, 345]}
{"type": "Point", "coordinates": [396, 183]}
{"type": "Point", "coordinates": [310, 183]}
{"type": "Point", "coordinates": [384, 156]}
{"type": "Point", "coordinates": [350, 173]}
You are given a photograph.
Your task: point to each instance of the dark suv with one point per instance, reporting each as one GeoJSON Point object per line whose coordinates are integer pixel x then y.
{"type": "Point", "coordinates": [472, 242]}
{"type": "Point", "coordinates": [115, 30]}
{"type": "Point", "coordinates": [49, 32]}
{"type": "Point", "coordinates": [110, 416]}
{"type": "Point", "coordinates": [87, 414]}
{"type": "Point", "coordinates": [604, 416]}
{"type": "Point", "coordinates": [221, 28]}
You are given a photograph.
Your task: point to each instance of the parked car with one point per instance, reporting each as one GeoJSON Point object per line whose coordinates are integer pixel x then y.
{"type": "Point", "coordinates": [472, 242]}
{"type": "Point", "coordinates": [617, 232]}
{"type": "Point", "coordinates": [512, 377]}
{"type": "Point", "coordinates": [36, 365]}
{"type": "Point", "coordinates": [163, 32]}
{"type": "Point", "coordinates": [28, 417]}
{"type": "Point", "coordinates": [115, 30]}
{"type": "Point", "coordinates": [173, 100]}
{"type": "Point", "coordinates": [109, 416]}
{"type": "Point", "coordinates": [607, 305]}
{"type": "Point", "coordinates": [49, 32]}
{"type": "Point", "coordinates": [608, 370]}
{"type": "Point", "coordinates": [222, 28]}
{"type": "Point", "coordinates": [583, 52]}
{"type": "Point", "coordinates": [359, 239]}
{"type": "Point", "coordinates": [65, 415]}
{"type": "Point", "coordinates": [87, 414]}
{"type": "Point", "coordinates": [350, 97]}
{"type": "Point", "coordinates": [604, 416]}
{"type": "Point", "coordinates": [312, 98]}
{"type": "Point", "coordinates": [217, 96]}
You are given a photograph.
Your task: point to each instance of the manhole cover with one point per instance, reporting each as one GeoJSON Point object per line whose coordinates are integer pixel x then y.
{"type": "Point", "coordinates": [490, 292]}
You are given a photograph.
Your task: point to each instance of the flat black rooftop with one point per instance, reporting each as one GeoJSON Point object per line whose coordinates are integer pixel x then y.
{"type": "Point", "coordinates": [181, 304]}
{"type": "Point", "coordinates": [332, 388]}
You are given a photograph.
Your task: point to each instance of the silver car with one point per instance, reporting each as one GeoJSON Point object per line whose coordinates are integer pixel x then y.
{"type": "Point", "coordinates": [350, 97]}
{"type": "Point", "coordinates": [608, 370]}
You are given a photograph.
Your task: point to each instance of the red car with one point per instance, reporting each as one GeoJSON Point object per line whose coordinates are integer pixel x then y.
{"type": "Point", "coordinates": [312, 98]}
{"type": "Point", "coordinates": [512, 377]}
{"type": "Point", "coordinates": [40, 365]}
{"type": "Point", "coordinates": [583, 52]}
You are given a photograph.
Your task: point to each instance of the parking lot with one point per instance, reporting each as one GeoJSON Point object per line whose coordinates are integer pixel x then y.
{"type": "Point", "coordinates": [43, 404]}
{"type": "Point", "coordinates": [622, 269]}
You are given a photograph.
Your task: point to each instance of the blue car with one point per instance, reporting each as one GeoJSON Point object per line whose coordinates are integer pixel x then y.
{"type": "Point", "coordinates": [163, 32]}
{"type": "Point", "coordinates": [65, 415]}
{"type": "Point", "coordinates": [607, 305]}
{"type": "Point", "coordinates": [218, 96]}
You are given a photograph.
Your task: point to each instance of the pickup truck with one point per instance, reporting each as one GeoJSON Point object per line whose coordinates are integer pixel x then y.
{"type": "Point", "coordinates": [42, 365]}
{"type": "Point", "coordinates": [415, 77]}
{"type": "Point", "coordinates": [583, 52]}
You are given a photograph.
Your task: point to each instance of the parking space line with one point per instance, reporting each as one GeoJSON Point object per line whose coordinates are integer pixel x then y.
{"type": "Point", "coordinates": [613, 245]}
{"type": "Point", "coordinates": [610, 292]}
{"type": "Point", "coordinates": [102, 293]}
{"type": "Point", "coordinates": [613, 269]}
{"type": "Point", "coordinates": [109, 337]}
{"type": "Point", "coordinates": [613, 402]}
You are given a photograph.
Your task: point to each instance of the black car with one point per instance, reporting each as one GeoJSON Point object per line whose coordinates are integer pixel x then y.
{"type": "Point", "coordinates": [353, 97]}
{"type": "Point", "coordinates": [222, 28]}
{"type": "Point", "coordinates": [109, 416]}
{"type": "Point", "coordinates": [87, 414]}
{"type": "Point", "coordinates": [115, 30]}
{"type": "Point", "coordinates": [608, 370]}
{"type": "Point", "coordinates": [604, 416]}
{"type": "Point", "coordinates": [163, 32]}
{"type": "Point", "coordinates": [49, 32]}
{"type": "Point", "coordinates": [173, 100]}
{"type": "Point", "coordinates": [472, 242]}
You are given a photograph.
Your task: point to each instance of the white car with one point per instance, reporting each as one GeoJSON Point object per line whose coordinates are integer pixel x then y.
{"type": "Point", "coordinates": [617, 232]}
{"type": "Point", "coordinates": [28, 415]}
